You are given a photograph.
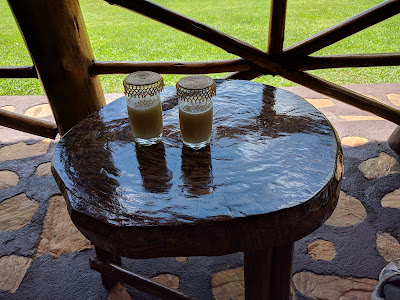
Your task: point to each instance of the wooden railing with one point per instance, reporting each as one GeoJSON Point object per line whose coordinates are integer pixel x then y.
{"type": "Point", "coordinates": [290, 63]}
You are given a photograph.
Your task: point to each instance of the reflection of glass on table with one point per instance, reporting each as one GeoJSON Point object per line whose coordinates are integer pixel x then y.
{"type": "Point", "coordinates": [153, 168]}
{"type": "Point", "coordinates": [197, 171]}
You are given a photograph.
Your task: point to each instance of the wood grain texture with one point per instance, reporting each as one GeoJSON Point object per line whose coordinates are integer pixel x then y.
{"type": "Point", "coordinates": [272, 164]}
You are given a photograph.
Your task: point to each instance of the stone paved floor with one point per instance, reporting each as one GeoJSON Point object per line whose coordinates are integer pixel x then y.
{"type": "Point", "coordinates": [43, 256]}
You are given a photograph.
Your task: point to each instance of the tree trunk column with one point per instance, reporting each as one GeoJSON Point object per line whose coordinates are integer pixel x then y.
{"type": "Point", "coordinates": [394, 140]}
{"type": "Point", "coordinates": [56, 37]}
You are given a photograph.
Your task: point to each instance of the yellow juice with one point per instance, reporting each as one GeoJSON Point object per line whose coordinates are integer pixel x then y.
{"type": "Point", "coordinates": [196, 127]}
{"type": "Point", "coordinates": [146, 120]}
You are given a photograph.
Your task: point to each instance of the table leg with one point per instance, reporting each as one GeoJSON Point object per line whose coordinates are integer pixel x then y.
{"type": "Point", "coordinates": [257, 265]}
{"type": "Point", "coordinates": [107, 257]}
{"type": "Point", "coordinates": [281, 272]}
{"type": "Point", "coordinates": [268, 273]}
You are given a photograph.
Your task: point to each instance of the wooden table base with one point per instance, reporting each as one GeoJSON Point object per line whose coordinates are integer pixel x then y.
{"type": "Point", "coordinates": [263, 271]}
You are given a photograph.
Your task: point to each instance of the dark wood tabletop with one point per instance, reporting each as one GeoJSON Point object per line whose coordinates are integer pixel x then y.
{"type": "Point", "coordinates": [270, 175]}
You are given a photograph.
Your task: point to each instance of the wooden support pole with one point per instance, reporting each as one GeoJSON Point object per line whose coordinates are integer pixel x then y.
{"type": "Point", "coordinates": [345, 29]}
{"type": "Point", "coordinates": [18, 72]}
{"type": "Point", "coordinates": [276, 26]}
{"type": "Point", "coordinates": [257, 274]}
{"type": "Point", "coordinates": [28, 124]}
{"type": "Point", "coordinates": [394, 140]}
{"type": "Point", "coordinates": [166, 67]}
{"type": "Point", "coordinates": [56, 37]}
{"type": "Point", "coordinates": [106, 257]}
{"type": "Point", "coordinates": [281, 272]}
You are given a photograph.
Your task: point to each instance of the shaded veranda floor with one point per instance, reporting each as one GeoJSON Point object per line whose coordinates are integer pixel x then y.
{"type": "Point", "coordinates": [43, 256]}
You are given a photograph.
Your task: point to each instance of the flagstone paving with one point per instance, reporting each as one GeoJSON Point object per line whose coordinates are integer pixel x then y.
{"type": "Point", "coordinates": [43, 255]}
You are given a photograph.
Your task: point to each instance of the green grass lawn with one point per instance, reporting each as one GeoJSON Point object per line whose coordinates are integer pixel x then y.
{"type": "Point", "coordinates": [117, 34]}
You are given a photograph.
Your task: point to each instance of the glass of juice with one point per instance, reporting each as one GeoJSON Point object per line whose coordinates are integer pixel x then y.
{"type": "Point", "coordinates": [195, 95]}
{"type": "Point", "coordinates": [142, 91]}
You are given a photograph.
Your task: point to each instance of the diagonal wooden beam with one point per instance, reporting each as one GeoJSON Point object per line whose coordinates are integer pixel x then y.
{"type": "Point", "coordinates": [342, 30]}
{"type": "Point", "coordinates": [199, 30]}
{"type": "Point", "coordinates": [345, 61]}
{"type": "Point", "coordinates": [165, 67]}
{"type": "Point", "coordinates": [342, 94]}
{"type": "Point", "coordinates": [137, 281]}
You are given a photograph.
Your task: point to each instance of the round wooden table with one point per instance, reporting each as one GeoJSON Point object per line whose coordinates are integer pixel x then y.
{"type": "Point", "coordinates": [270, 176]}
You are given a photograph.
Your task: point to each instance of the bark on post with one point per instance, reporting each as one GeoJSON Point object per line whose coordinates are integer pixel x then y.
{"type": "Point", "coordinates": [394, 140]}
{"type": "Point", "coordinates": [56, 37]}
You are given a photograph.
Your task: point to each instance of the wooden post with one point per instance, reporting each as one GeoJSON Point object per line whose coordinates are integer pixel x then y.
{"type": "Point", "coordinates": [257, 272]}
{"type": "Point", "coordinates": [281, 272]}
{"type": "Point", "coordinates": [394, 140]}
{"type": "Point", "coordinates": [276, 26]}
{"type": "Point", "coordinates": [56, 37]}
{"type": "Point", "coordinates": [106, 257]}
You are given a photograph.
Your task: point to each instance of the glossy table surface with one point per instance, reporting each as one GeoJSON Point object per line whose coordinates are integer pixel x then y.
{"type": "Point", "coordinates": [270, 150]}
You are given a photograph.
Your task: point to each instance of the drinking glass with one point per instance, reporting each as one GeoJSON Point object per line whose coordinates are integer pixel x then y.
{"type": "Point", "coordinates": [142, 90]}
{"type": "Point", "coordinates": [195, 94]}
